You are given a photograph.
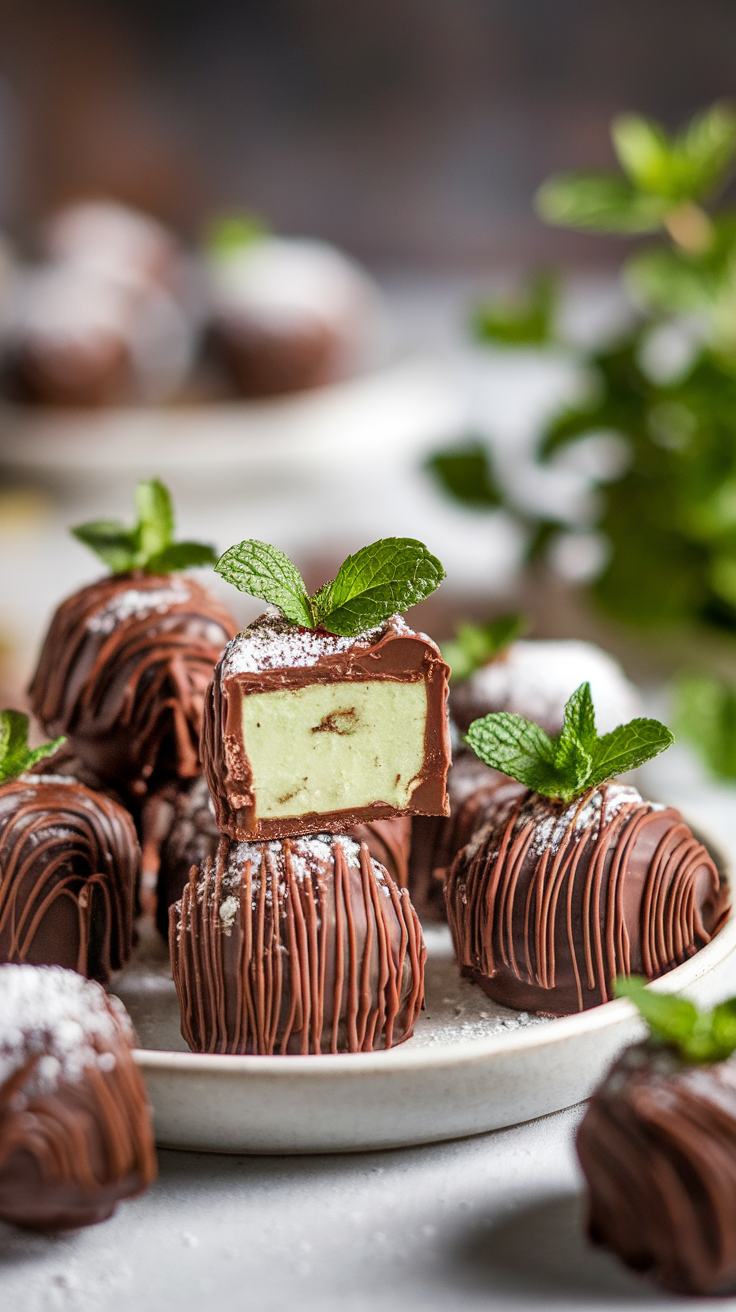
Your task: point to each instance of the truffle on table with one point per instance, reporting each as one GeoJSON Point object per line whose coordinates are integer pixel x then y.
{"type": "Point", "coordinates": [364, 717]}
{"type": "Point", "coordinates": [550, 901]}
{"type": "Point", "coordinates": [301, 945]}
{"type": "Point", "coordinates": [657, 1146]}
{"type": "Point", "coordinates": [123, 674]}
{"type": "Point", "coordinates": [69, 862]}
{"type": "Point", "coordinates": [534, 678]}
{"type": "Point", "coordinates": [75, 1127]}
{"type": "Point", "coordinates": [188, 835]}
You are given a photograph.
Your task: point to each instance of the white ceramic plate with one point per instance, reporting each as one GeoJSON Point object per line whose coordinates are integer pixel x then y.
{"type": "Point", "coordinates": [471, 1066]}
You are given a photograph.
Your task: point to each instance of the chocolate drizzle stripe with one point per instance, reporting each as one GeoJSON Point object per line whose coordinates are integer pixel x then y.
{"type": "Point", "coordinates": [571, 906]}
{"type": "Point", "coordinates": [311, 961]}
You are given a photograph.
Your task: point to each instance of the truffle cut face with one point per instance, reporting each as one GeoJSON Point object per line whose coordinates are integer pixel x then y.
{"type": "Point", "coordinates": [75, 1127]}
{"type": "Point", "coordinates": [305, 731]}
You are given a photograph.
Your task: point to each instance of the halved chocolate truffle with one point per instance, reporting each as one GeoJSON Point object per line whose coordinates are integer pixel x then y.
{"type": "Point", "coordinates": [69, 862]}
{"type": "Point", "coordinates": [188, 835]}
{"type": "Point", "coordinates": [658, 1149]}
{"type": "Point", "coordinates": [123, 673]}
{"type": "Point", "coordinates": [303, 945]}
{"type": "Point", "coordinates": [364, 719]}
{"type": "Point", "coordinates": [549, 902]}
{"type": "Point", "coordinates": [75, 1127]}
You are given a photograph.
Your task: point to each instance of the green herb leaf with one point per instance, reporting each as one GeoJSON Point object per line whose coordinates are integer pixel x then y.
{"type": "Point", "coordinates": [264, 571]}
{"type": "Point", "coordinates": [15, 755]}
{"type": "Point", "coordinates": [465, 474]}
{"type": "Point", "coordinates": [599, 202]}
{"type": "Point", "coordinates": [705, 714]}
{"type": "Point", "coordinates": [111, 541]}
{"type": "Point", "coordinates": [376, 582]}
{"type": "Point", "coordinates": [234, 233]}
{"type": "Point", "coordinates": [698, 1036]}
{"type": "Point", "coordinates": [522, 320]}
{"type": "Point", "coordinates": [149, 545]}
{"type": "Point", "coordinates": [576, 760]}
{"type": "Point", "coordinates": [475, 645]}
{"type": "Point", "coordinates": [643, 151]}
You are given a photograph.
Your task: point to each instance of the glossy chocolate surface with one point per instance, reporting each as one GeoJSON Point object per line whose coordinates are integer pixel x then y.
{"type": "Point", "coordinates": [658, 1149]}
{"type": "Point", "coordinates": [69, 861]}
{"type": "Point", "coordinates": [548, 903]}
{"type": "Point", "coordinates": [123, 673]}
{"type": "Point", "coordinates": [302, 945]}
{"type": "Point", "coordinates": [75, 1127]}
{"type": "Point", "coordinates": [286, 657]}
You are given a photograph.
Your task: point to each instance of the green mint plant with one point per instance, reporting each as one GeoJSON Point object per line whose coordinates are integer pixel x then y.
{"type": "Point", "coordinates": [149, 545]}
{"type": "Point", "coordinates": [576, 760]}
{"type": "Point", "coordinates": [698, 1036]}
{"type": "Point", "coordinates": [474, 645]}
{"type": "Point", "coordinates": [705, 715]}
{"type": "Point", "coordinates": [523, 318]}
{"type": "Point", "coordinates": [370, 586]}
{"type": "Point", "coordinates": [15, 755]}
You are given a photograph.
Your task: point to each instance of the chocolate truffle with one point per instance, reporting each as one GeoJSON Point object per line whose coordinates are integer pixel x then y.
{"type": "Point", "coordinates": [436, 840]}
{"type": "Point", "coordinates": [69, 863]}
{"type": "Point", "coordinates": [364, 718]}
{"type": "Point", "coordinates": [658, 1149]}
{"type": "Point", "coordinates": [535, 678]}
{"type": "Point", "coordinates": [188, 835]}
{"type": "Point", "coordinates": [288, 314]}
{"type": "Point", "coordinates": [301, 945]}
{"type": "Point", "coordinates": [123, 673]}
{"type": "Point", "coordinates": [75, 1128]}
{"type": "Point", "coordinates": [549, 902]}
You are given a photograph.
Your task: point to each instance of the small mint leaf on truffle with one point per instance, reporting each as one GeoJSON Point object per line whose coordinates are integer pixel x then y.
{"type": "Point", "coordinates": [698, 1036]}
{"type": "Point", "coordinates": [375, 583]}
{"type": "Point", "coordinates": [263, 571]}
{"type": "Point", "coordinates": [233, 233]}
{"type": "Point", "coordinates": [15, 754]}
{"type": "Point", "coordinates": [149, 545]}
{"type": "Point", "coordinates": [475, 645]}
{"type": "Point", "coordinates": [575, 761]}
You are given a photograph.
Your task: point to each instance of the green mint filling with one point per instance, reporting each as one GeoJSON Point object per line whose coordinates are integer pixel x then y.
{"type": "Point", "coordinates": [15, 755]}
{"type": "Point", "coordinates": [149, 545]}
{"type": "Point", "coordinates": [698, 1036]}
{"type": "Point", "coordinates": [577, 759]}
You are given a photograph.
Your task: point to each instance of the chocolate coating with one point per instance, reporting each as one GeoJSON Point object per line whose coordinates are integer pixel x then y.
{"type": "Point", "coordinates": [436, 840]}
{"type": "Point", "coordinates": [123, 673]}
{"type": "Point", "coordinates": [75, 1127]}
{"type": "Point", "coordinates": [69, 862]}
{"type": "Point", "coordinates": [392, 653]}
{"type": "Point", "coordinates": [264, 360]}
{"type": "Point", "coordinates": [189, 835]}
{"type": "Point", "coordinates": [658, 1149]}
{"type": "Point", "coordinates": [299, 946]}
{"type": "Point", "coordinates": [549, 903]}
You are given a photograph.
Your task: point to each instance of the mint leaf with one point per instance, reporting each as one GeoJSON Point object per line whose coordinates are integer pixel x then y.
{"type": "Point", "coordinates": [264, 571]}
{"type": "Point", "coordinates": [476, 644]}
{"type": "Point", "coordinates": [155, 517]}
{"type": "Point", "coordinates": [181, 555]}
{"type": "Point", "coordinates": [526, 319]}
{"type": "Point", "coordinates": [111, 541]}
{"type": "Point", "coordinates": [705, 714]}
{"type": "Point", "coordinates": [466, 475]}
{"type": "Point", "coordinates": [234, 233]}
{"type": "Point", "coordinates": [698, 1036]}
{"type": "Point", "coordinates": [376, 582]}
{"type": "Point", "coordinates": [149, 545]}
{"type": "Point", "coordinates": [597, 201]}
{"type": "Point", "coordinates": [644, 152]}
{"type": "Point", "coordinates": [576, 760]}
{"type": "Point", "coordinates": [627, 747]}
{"type": "Point", "coordinates": [15, 754]}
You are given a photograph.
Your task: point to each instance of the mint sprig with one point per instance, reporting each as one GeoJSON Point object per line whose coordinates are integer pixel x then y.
{"type": "Point", "coordinates": [698, 1036]}
{"type": "Point", "coordinates": [573, 762]}
{"type": "Point", "coordinates": [370, 585]}
{"type": "Point", "coordinates": [15, 755]}
{"type": "Point", "coordinates": [149, 544]}
{"type": "Point", "coordinates": [474, 645]}
{"type": "Point", "coordinates": [233, 233]}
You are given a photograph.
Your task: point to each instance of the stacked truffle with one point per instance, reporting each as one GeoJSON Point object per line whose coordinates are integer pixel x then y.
{"type": "Point", "coordinates": [294, 939]}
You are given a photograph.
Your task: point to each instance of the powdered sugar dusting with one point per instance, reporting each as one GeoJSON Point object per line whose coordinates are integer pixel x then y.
{"type": "Point", "coordinates": [272, 642]}
{"type": "Point", "coordinates": [68, 1022]}
{"type": "Point", "coordinates": [137, 603]}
